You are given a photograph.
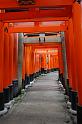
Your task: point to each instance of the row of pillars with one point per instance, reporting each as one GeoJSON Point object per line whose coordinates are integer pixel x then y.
{"type": "Point", "coordinates": [72, 74]}
{"type": "Point", "coordinates": [35, 62]}
{"type": "Point", "coordinates": [10, 61]}
{"type": "Point", "coordinates": [15, 61]}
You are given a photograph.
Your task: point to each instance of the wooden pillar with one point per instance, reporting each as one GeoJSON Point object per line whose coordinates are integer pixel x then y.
{"type": "Point", "coordinates": [49, 61]}
{"type": "Point", "coordinates": [20, 60]}
{"type": "Point", "coordinates": [15, 64]}
{"type": "Point", "coordinates": [1, 65]}
{"type": "Point", "coordinates": [23, 69]}
{"type": "Point", "coordinates": [11, 48]}
{"type": "Point", "coordinates": [65, 75]}
{"type": "Point", "coordinates": [27, 65]}
{"type": "Point", "coordinates": [68, 54]}
{"type": "Point", "coordinates": [6, 58]}
{"type": "Point", "coordinates": [15, 57]}
{"type": "Point", "coordinates": [60, 59]}
{"type": "Point", "coordinates": [31, 63]}
{"type": "Point", "coordinates": [6, 65]}
{"type": "Point", "coordinates": [77, 23]}
{"type": "Point", "coordinates": [56, 61]}
{"type": "Point", "coordinates": [61, 65]}
{"type": "Point", "coordinates": [72, 63]}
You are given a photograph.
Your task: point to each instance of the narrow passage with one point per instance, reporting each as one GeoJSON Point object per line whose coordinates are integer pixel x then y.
{"type": "Point", "coordinates": [43, 104]}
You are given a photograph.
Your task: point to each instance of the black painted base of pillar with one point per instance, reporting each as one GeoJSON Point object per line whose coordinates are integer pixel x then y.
{"type": "Point", "coordinates": [68, 83]}
{"type": "Point", "coordinates": [73, 100]}
{"type": "Point", "coordinates": [67, 88]}
{"type": "Point", "coordinates": [52, 70]}
{"type": "Point", "coordinates": [23, 84]}
{"type": "Point", "coordinates": [56, 69]}
{"type": "Point", "coordinates": [61, 77]}
{"type": "Point", "coordinates": [42, 70]}
{"type": "Point", "coordinates": [63, 82]}
{"type": "Point", "coordinates": [15, 88]}
{"type": "Point", "coordinates": [37, 74]}
{"type": "Point", "coordinates": [45, 71]}
{"type": "Point", "coordinates": [11, 91]}
{"type": "Point", "coordinates": [69, 93]}
{"type": "Point", "coordinates": [48, 70]}
{"type": "Point", "coordinates": [27, 79]}
{"type": "Point", "coordinates": [34, 75]}
{"type": "Point", "coordinates": [31, 77]}
{"type": "Point", "coordinates": [1, 101]}
{"type": "Point", "coordinates": [6, 95]}
{"type": "Point", "coordinates": [79, 114]}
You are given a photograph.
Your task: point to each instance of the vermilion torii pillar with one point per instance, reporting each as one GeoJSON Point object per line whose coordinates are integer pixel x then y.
{"type": "Point", "coordinates": [71, 46]}
{"type": "Point", "coordinates": [65, 74]}
{"type": "Point", "coordinates": [77, 26]}
{"type": "Point", "coordinates": [15, 64]}
{"type": "Point", "coordinates": [61, 67]}
{"type": "Point", "coordinates": [6, 64]}
{"type": "Point", "coordinates": [69, 80]}
{"type": "Point", "coordinates": [1, 65]}
{"type": "Point", "coordinates": [11, 57]}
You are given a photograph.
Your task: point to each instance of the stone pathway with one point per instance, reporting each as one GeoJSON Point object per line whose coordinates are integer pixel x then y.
{"type": "Point", "coordinates": [43, 104]}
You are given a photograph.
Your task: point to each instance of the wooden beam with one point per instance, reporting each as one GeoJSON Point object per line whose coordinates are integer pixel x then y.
{"type": "Point", "coordinates": [44, 45]}
{"type": "Point", "coordinates": [37, 29]}
{"type": "Point", "coordinates": [39, 3]}
{"type": "Point", "coordinates": [65, 12]}
{"type": "Point", "coordinates": [38, 19]}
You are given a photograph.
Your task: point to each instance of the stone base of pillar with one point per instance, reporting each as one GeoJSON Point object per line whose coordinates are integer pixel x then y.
{"type": "Point", "coordinates": [68, 104]}
{"type": "Point", "coordinates": [1, 101]}
{"type": "Point", "coordinates": [79, 114]}
{"type": "Point", "coordinates": [73, 112]}
{"type": "Point", "coordinates": [9, 104]}
{"type": "Point", "coordinates": [6, 95]}
{"type": "Point", "coordinates": [2, 112]}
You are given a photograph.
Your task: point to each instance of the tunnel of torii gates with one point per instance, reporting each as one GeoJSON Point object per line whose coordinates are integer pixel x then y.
{"type": "Point", "coordinates": [65, 56]}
